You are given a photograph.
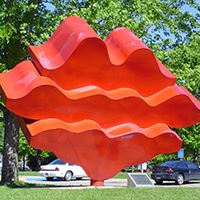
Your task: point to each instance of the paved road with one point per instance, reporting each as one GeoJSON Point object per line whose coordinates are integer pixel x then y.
{"type": "Point", "coordinates": [85, 183]}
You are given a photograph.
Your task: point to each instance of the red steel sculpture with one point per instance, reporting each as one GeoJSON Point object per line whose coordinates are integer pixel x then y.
{"type": "Point", "coordinates": [102, 104]}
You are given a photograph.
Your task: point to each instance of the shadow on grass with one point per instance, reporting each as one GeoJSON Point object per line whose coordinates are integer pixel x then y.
{"type": "Point", "coordinates": [20, 184]}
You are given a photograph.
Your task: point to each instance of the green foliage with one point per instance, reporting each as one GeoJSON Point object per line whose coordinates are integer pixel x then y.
{"type": "Point", "coordinates": [191, 138]}
{"type": "Point", "coordinates": [160, 159]}
{"type": "Point", "coordinates": [161, 24]}
{"type": "Point", "coordinates": [184, 62]}
{"type": "Point", "coordinates": [32, 155]}
{"type": "Point", "coordinates": [24, 147]}
{"type": "Point", "coordinates": [26, 150]}
{"type": "Point", "coordinates": [21, 23]}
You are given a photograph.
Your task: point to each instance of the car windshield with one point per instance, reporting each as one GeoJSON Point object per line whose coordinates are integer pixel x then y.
{"type": "Point", "coordinates": [57, 162]}
{"type": "Point", "coordinates": [170, 163]}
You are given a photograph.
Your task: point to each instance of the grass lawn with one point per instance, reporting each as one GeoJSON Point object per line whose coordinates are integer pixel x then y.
{"type": "Point", "coordinates": [28, 173]}
{"type": "Point", "coordinates": [125, 175]}
{"type": "Point", "coordinates": [105, 194]}
{"type": "Point", "coordinates": [121, 175]}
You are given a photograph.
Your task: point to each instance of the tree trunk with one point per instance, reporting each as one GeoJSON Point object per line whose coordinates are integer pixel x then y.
{"type": "Point", "coordinates": [24, 162]}
{"type": "Point", "coordinates": [196, 155]}
{"type": "Point", "coordinates": [10, 149]}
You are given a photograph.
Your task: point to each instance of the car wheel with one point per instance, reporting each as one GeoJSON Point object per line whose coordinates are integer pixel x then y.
{"type": "Point", "coordinates": [49, 178]}
{"type": "Point", "coordinates": [180, 179]}
{"type": "Point", "coordinates": [68, 176]}
{"type": "Point", "coordinates": [158, 182]}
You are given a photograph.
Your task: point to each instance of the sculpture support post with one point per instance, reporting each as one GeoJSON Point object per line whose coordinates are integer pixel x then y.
{"type": "Point", "coordinates": [96, 183]}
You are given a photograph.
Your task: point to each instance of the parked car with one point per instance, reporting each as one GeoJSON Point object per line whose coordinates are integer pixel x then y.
{"type": "Point", "coordinates": [179, 171]}
{"type": "Point", "coordinates": [60, 169]}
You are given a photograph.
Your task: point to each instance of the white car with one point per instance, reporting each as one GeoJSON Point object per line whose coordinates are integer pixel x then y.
{"type": "Point", "coordinates": [60, 169]}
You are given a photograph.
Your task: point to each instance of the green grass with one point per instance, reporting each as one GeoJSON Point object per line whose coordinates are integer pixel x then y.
{"type": "Point", "coordinates": [125, 175]}
{"type": "Point", "coordinates": [28, 173]}
{"type": "Point", "coordinates": [121, 175]}
{"type": "Point", "coordinates": [105, 194]}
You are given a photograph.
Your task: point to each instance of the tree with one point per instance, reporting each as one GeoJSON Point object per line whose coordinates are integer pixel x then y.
{"type": "Point", "coordinates": [185, 63]}
{"type": "Point", "coordinates": [33, 157]}
{"type": "Point", "coordinates": [9, 173]}
{"type": "Point", "coordinates": [20, 22]}
{"type": "Point", "coordinates": [24, 150]}
{"type": "Point", "coordinates": [1, 135]}
{"type": "Point", "coordinates": [160, 24]}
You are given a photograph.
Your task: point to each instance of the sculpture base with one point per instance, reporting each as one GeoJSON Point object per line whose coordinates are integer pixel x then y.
{"type": "Point", "coordinates": [96, 183]}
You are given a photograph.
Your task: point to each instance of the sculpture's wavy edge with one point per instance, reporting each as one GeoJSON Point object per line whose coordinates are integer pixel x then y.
{"type": "Point", "coordinates": [73, 139]}
{"type": "Point", "coordinates": [25, 78]}
{"type": "Point", "coordinates": [89, 49]}
{"type": "Point", "coordinates": [28, 87]}
{"type": "Point", "coordinates": [35, 127]}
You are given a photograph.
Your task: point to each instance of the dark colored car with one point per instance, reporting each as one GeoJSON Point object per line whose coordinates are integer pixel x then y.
{"type": "Point", "coordinates": [179, 171]}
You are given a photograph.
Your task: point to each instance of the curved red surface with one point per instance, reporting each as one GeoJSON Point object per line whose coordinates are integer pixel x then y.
{"type": "Point", "coordinates": [97, 104]}
{"type": "Point", "coordinates": [116, 62]}
{"type": "Point", "coordinates": [101, 104]}
{"type": "Point", "coordinates": [102, 152]}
